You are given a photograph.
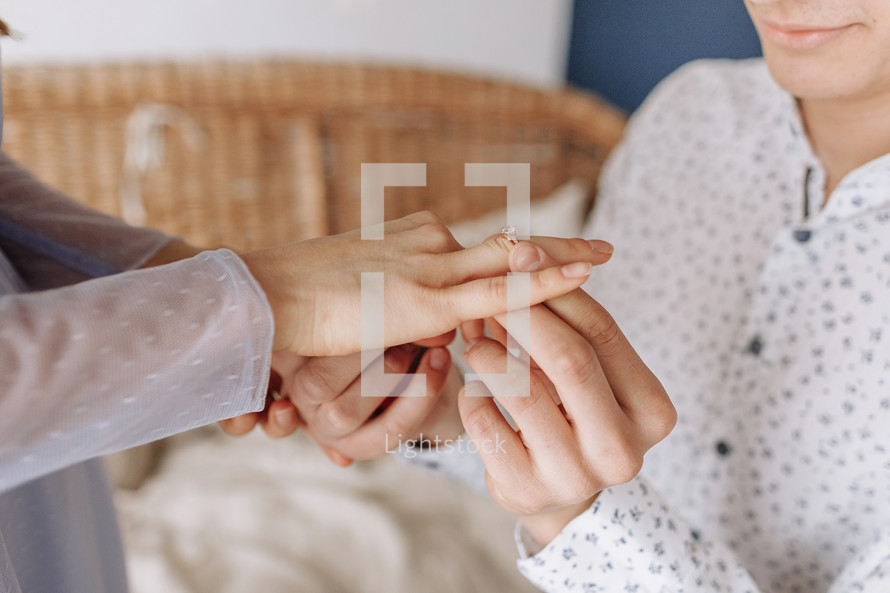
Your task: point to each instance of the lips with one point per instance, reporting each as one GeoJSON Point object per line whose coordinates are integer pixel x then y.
{"type": "Point", "coordinates": [801, 36]}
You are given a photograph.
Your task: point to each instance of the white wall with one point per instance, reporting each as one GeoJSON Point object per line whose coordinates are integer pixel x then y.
{"type": "Point", "coordinates": [521, 39]}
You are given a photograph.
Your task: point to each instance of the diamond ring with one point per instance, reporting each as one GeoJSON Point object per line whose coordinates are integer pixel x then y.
{"type": "Point", "coordinates": [509, 233]}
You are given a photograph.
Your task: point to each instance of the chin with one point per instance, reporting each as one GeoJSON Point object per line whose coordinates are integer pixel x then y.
{"type": "Point", "coordinates": [815, 77]}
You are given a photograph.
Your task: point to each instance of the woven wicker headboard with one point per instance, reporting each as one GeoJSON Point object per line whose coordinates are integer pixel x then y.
{"type": "Point", "coordinates": [258, 153]}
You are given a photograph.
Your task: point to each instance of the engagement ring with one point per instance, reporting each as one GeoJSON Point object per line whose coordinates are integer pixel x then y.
{"type": "Point", "coordinates": [509, 233]}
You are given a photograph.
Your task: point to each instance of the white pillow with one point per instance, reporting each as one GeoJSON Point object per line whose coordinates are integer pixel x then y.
{"type": "Point", "coordinates": [558, 215]}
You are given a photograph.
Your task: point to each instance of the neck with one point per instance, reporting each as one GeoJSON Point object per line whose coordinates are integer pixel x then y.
{"type": "Point", "coordinates": [846, 134]}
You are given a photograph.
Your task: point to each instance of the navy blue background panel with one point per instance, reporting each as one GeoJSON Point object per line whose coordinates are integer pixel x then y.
{"type": "Point", "coordinates": [621, 49]}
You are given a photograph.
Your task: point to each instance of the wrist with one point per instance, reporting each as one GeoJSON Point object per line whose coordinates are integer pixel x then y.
{"type": "Point", "coordinates": [544, 527]}
{"type": "Point", "coordinates": [262, 265]}
{"type": "Point", "coordinates": [172, 251]}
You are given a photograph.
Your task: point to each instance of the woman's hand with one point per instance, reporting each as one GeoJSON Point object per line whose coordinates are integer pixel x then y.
{"type": "Point", "coordinates": [323, 397]}
{"type": "Point", "coordinates": [594, 411]}
{"type": "Point", "coordinates": [279, 417]}
{"type": "Point", "coordinates": [431, 283]}
{"type": "Point", "coordinates": [347, 426]}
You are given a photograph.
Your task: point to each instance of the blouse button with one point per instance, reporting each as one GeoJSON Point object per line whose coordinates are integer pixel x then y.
{"type": "Point", "coordinates": [722, 448]}
{"type": "Point", "coordinates": [755, 346]}
{"type": "Point", "coordinates": [802, 235]}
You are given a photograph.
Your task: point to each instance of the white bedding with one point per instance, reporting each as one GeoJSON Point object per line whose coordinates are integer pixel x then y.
{"type": "Point", "coordinates": [226, 515]}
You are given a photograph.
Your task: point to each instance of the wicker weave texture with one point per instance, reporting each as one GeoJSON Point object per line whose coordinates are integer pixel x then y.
{"type": "Point", "coordinates": [282, 142]}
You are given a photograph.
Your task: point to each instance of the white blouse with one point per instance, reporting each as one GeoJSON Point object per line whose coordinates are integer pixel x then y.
{"type": "Point", "coordinates": [766, 317]}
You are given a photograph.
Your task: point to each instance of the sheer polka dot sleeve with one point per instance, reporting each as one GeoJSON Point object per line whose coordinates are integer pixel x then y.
{"type": "Point", "coordinates": [33, 215]}
{"type": "Point", "coordinates": [119, 361]}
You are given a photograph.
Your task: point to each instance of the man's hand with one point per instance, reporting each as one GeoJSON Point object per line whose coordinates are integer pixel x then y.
{"type": "Point", "coordinates": [594, 411]}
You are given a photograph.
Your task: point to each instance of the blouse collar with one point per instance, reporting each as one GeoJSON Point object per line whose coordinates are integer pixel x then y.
{"type": "Point", "coordinates": [865, 188]}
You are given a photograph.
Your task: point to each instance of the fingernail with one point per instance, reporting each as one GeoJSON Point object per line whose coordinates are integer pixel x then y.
{"type": "Point", "coordinates": [601, 246]}
{"type": "Point", "coordinates": [439, 358]}
{"type": "Point", "coordinates": [285, 418]}
{"type": "Point", "coordinates": [471, 344]}
{"type": "Point", "coordinates": [576, 270]}
{"type": "Point", "coordinates": [526, 258]}
{"type": "Point", "coordinates": [336, 457]}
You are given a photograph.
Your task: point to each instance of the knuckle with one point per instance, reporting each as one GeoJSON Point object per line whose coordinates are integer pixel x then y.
{"type": "Point", "coordinates": [443, 235]}
{"type": "Point", "coordinates": [575, 480]}
{"type": "Point", "coordinates": [498, 245]}
{"type": "Point", "coordinates": [532, 497]}
{"type": "Point", "coordinates": [605, 333]}
{"type": "Point", "coordinates": [340, 419]}
{"type": "Point", "coordinates": [477, 421]}
{"type": "Point", "coordinates": [622, 465]}
{"type": "Point", "coordinates": [422, 217]}
{"type": "Point", "coordinates": [546, 283]}
{"type": "Point", "coordinates": [575, 363]}
{"type": "Point", "coordinates": [581, 488]}
{"type": "Point", "coordinates": [481, 358]}
{"type": "Point", "coordinates": [662, 416]}
{"type": "Point", "coordinates": [497, 290]}
{"type": "Point", "coordinates": [314, 385]}
{"type": "Point", "coordinates": [523, 405]}
{"type": "Point", "coordinates": [437, 236]}
{"type": "Point", "coordinates": [579, 248]}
